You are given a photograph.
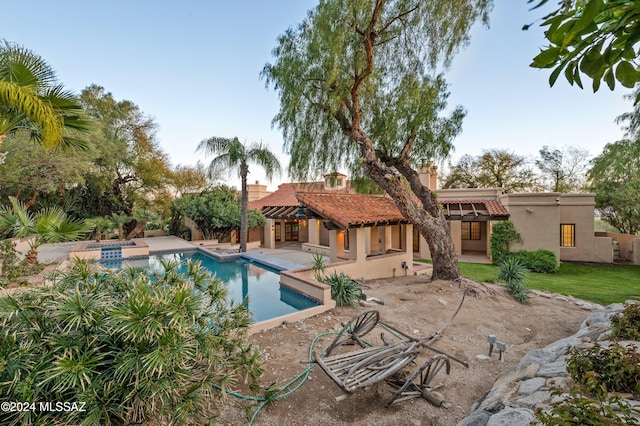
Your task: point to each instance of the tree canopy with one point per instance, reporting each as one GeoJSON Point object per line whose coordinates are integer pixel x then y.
{"type": "Point", "coordinates": [563, 170]}
{"type": "Point", "coordinates": [593, 38]}
{"type": "Point", "coordinates": [30, 170]}
{"type": "Point", "coordinates": [216, 212]}
{"type": "Point", "coordinates": [359, 88]}
{"type": "Point", "coordinates": [495, 168]}
{"type": "Point", "coordinates": [130, 169]}
{"type": "Point", "coordinates": [615, 178]}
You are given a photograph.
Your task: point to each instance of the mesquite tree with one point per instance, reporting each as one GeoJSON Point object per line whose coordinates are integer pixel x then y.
{"type": "Point", "coordinates": [359, 87]}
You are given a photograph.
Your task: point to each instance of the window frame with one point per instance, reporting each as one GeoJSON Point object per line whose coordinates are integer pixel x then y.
{"type": "Point", "coordinates": [567, 239]}
{"type": "Point", "coordinates": [471, 234]}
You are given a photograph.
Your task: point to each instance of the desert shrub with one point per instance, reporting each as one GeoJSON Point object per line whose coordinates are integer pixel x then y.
{"type": "Point", "coordinates": [597, 372]}
{"type": "Point", "coordinates": [502, 235]}
{"type": "Point", "coordinates": [617, 368]}
{"type": "Point", "coordinates": [344, 290]}
{"type": "Point", "coordinates": [575, 408]}
{"type": "Point", "coordinates": [542, 261]}
{"type": "Point", "coordinates": [136, 350]}
{"type": "Point", "coordinates": [13, 270]}
{"type": "Point", "coordinates": [318, 267]}
{"type": "Point", "coordinates": [627, 324]}
{"type": "Point", "coordinates": [513, 273]}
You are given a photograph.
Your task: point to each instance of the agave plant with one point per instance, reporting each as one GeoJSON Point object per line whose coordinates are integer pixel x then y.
{"type": "Point", "coordinates": [513, 273]}
{"type": "Point", "coordinates": [50, 225]}
{"type": "Point", "coordinates": [136, 350]}
{"type": "Point", "coordinates": [344, 290]}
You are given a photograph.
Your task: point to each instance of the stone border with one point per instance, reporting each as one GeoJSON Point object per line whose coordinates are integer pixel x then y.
{"type": "Point", "coordinates": [518, 392]}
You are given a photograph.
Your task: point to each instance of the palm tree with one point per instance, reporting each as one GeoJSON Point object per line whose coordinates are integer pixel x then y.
{"type": "Point", "coordinates": [31, 99]}
{"type": "Point", "coordinates": [231, 153]}
{"type": "Point", "coordinates": [50, 225]}
{"type": "Point", "coordinates": [120, 219]}
{"type": "Point", "coordinates": [101, 225]}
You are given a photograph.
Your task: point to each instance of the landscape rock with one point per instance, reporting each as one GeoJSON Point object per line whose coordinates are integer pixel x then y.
{"type": "Point", "coordinates": [553, 369]}
{"type": "Point", "coordinates": [512, 417]}
{"type": "Point", "coordinates": [530, 386]}
{"type": "Point", "coordinates": [539, 372]}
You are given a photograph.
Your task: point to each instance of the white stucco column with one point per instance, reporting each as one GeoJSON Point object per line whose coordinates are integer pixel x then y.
{"type": "Point", "coordinates": [336, 245]}
{"type": "Point", "coordinates": [269, 237]}
{"type": "Point", "coordinates": [384, 238]}
{"type": "Point", "coordinates": [407, 239]}
{"type": "Point", "coordinates": [314, 231]}
{"type": "Point", "coordinates": [367, 240]}
{"type": "Point", "coordinates": [424, 249]}
{"type": "Point", "coordinates": [455, 230]}
{"type": "Point", "coordinates": [282, 232]}
{"type": "Point", "coordinates": [357, 244]}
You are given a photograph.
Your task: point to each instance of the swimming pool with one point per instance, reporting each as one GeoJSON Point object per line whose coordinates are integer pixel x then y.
{"type": "Point", "coordinates": [266, 298]}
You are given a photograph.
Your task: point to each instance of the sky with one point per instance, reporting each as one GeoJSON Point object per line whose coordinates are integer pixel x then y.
{"type": "Point", "coordinates": [193, 66]}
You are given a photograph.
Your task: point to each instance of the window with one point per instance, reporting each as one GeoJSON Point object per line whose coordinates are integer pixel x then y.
{"type": "Point", "coordinates": [567, 235]}
{"type": "Point", "coordinates": [471, 230]}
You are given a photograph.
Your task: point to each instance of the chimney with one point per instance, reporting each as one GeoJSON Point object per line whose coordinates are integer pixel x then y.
{"type": "Point", "coordinates": [428, 173]}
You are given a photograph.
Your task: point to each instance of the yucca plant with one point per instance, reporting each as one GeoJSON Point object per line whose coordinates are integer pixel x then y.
{"type": "Point", "coordinates": [344, 290]}
{"type": "Point", "coordinates": [318, 266]}
{"type": "Point", "coordinates": [136, 350]}
{"type": "Point", "coordinates": [514, 274]}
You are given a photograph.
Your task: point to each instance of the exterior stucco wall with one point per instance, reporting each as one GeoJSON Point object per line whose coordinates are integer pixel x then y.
{"type": "Point", "coordinates": [628, 244]}
{"type": "Point", "coordinates": [578, 209]}
{"type": "Point", "coordinates": [536, 216]}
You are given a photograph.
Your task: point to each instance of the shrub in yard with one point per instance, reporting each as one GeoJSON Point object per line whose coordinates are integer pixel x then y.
{"type": "Point", "coordinates": [576, 408]}
{"type": "Point", "coordinates": [513, 273]}
{"type": "Point", "coordinates": [12, 269]}
{"type": "Point", "coordinates": [627, 324]}
{"type": "Point", "coordinates": [617, 368]}
{"type": "Point", "coordinates": [344, 290]}
{"type": "Point", "coordinates": [542, 261]}
{"type": "Point", "coordinates": [135, 350]}
{"type": "Point", "coordinates": [597, 372]}
{"type": "Point", "coordinates": [318, 266]}
{"type": "Point", "coordinates": [502, 235]}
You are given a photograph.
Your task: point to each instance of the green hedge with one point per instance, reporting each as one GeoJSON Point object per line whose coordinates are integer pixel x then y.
{"type": "Point", "coordinates": [543, 261]}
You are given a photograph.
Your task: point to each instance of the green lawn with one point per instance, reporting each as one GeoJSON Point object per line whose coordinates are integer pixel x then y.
{"type": "Point", "coordinates": [600, 284]}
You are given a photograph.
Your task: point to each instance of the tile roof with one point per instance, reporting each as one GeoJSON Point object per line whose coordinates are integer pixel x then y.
{"type": "Point", "coordinates": [346, 208]}
{"type": "Point", "coordinates": [353, 209]}
{"type": "Point", "coordinates": [285, 195]}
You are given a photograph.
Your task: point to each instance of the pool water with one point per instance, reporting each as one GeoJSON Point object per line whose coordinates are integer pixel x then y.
{"type": "Point", "coordinates": [259, 287]}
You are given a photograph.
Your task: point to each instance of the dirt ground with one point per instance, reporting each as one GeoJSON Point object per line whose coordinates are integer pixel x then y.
{"type": "Point", "coordinates": [418, 307]}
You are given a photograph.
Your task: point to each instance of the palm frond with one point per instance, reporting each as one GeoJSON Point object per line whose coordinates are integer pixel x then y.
{"type": "Point", "coordinates": [260, 154]}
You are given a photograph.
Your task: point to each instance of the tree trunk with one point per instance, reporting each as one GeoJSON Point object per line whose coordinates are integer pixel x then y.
{"type": "Point", "coordinates": [32, 256]}
{"type": "Point", "coordinates": [32, 201]}
{"type": "Point", "coordinates": [426, 215]}
{"type": "Point", "coordinates": [138, 229]}
{"type": "Point", "coordinates": [244, 171]}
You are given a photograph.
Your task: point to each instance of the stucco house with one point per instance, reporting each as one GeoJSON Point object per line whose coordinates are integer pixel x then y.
{"type": "Point", "coordinates": [329, 217]}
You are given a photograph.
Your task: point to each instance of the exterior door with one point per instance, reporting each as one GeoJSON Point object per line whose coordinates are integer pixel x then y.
{"type": "Point", "coordinates": [291, 231]}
